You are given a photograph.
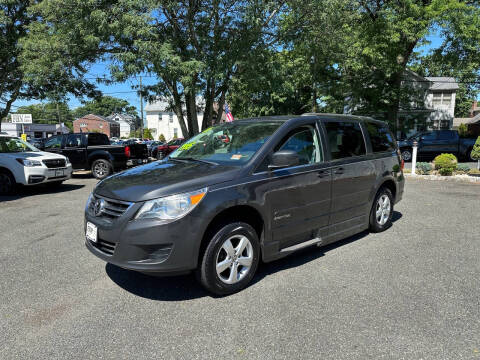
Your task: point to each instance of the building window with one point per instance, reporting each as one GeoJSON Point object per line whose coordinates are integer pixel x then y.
{"type": "Point", "coordinates": [100, 126]}
{"type": "Point", "coordinates": [175, 132]}
{"type": "Point", "coordinates": [170, 117]}
{"type": "Point", "coordinates": [444, 99]}
{"type": "Point", "coordinates": [83, 125]}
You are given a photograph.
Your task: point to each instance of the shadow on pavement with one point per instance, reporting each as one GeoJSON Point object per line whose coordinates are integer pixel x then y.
{"type": "Point", "coordinates": [185, 287]}
{"type": "Point", "coordinates": [25, 191]}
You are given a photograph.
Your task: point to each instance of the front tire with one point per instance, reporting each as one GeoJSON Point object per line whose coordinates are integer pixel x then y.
{"type": "Point", "coordinates": [7, 183]}
{"type": "Point", "coordinates": [101, 168]}
{"type": "Point", "coordinates": [230, 259]}
{"type": "Point", "coordinates": [382, 211]}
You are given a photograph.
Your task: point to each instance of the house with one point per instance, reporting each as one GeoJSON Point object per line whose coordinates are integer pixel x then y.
{"type": "Point", "coordinates": [163, 121]}
{"type": "Point", "coordinates": [127, 123]}
{"type": "Point", "coordinates": [35, 130]}
{"type": "Point", "coordinates": [475, 110]}
{"type": "Point", "coordinates": [431, 105]}
{"type": "Point", "coordinates": [97, 123]}
{"type": "Point", "coordinates": [473, 123]}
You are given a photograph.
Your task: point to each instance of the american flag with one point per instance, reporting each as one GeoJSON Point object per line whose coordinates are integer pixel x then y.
{"type": "Point", "coordinates": [228, 114]}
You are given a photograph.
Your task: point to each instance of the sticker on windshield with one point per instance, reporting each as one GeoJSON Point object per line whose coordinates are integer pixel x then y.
{"type": "Point", "coordinates": [236, 157]}
{"type": "Point", "coordinates": [187, 146]}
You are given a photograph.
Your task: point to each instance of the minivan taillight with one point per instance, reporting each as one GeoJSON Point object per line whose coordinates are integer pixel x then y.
{"type": "Point", "coordinates": [127, 151]}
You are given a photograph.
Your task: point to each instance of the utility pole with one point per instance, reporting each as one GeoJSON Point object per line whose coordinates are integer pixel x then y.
{"type": "Point", "coordinates": [141, 109]}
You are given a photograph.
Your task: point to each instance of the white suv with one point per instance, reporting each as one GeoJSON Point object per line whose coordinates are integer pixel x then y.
{"type": "Point", "coordinates": [22, 163]}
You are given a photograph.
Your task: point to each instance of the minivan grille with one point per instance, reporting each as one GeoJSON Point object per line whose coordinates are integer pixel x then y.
{"type": "Point", "coordinates": [112, 209]}
{"type": "Point", "coordinates": [55, 163]}
{"type": "Point", "coordinates": [107, 247]}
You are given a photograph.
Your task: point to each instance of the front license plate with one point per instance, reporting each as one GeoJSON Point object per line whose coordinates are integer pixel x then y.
{"type": "Point", "coordinates": [91, 232]}
{"type": "Point", "coordinates": [59, 173]}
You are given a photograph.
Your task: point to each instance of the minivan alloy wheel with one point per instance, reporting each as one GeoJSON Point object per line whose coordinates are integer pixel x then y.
{"type": "Point", "coordinates": [234, 259]}
{"type": "Point", "coordinates": [406, 155]}
{"type": "Point", "coordinates": [383, 209]}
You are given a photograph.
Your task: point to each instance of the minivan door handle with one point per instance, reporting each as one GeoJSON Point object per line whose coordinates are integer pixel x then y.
{"type": "Point", "coordinates": [338, 171]}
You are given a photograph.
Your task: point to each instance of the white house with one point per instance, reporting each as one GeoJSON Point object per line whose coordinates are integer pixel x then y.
{"type": "Point", "coordinates": [432, 104]}
{"type": "Point", "coordinates": [161, 120]}
{"type": "Point", "coordinates": [127, 123]}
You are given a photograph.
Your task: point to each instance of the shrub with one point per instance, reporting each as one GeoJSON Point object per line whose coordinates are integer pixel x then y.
{"type": "Point", "coordinates": [476, 150]}
{"type": "Point", "coordinates": [463, 168]}
{"type": "Point", "coordinates": [474, 172]}
{"type": "Point", "coordinates": [445, 161]}
{"type": "Point", "coordinates": [463, 130]}
{"type": "Point", "coordinates": [423, 168]}
{"type": "Point", "coordinates": [446, 171]}
{"type": "Point", "coordinates": [407, 171]}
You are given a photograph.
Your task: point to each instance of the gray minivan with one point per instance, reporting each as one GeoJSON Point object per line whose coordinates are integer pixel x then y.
{"type": "Point", "coordinates": [246, 191]}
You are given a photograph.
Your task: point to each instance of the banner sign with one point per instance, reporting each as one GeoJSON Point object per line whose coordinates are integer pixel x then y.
{"type": "Point", "coordinates": [21, 118]}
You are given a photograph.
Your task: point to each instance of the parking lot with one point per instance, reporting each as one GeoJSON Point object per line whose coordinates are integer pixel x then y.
{"type": "Point", "coordinates": [411, 292]}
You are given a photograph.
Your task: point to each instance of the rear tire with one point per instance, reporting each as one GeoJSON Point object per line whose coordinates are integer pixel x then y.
{"type": "Point", "coordinates": [101, 168]}
{"type": "Point", "coordinates": [7, 183]}
{"type": "Point", "coordinates": [230, 259]}
{"type": "Point", "coordinates": [382, 211]}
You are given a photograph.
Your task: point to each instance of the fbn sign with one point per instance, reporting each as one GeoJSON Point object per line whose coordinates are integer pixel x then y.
{"type": "Point", "coordinates": [22, 118]}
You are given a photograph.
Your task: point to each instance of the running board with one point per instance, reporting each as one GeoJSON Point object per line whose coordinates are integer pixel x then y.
{"type": "Point", "coordinates": [316, 241]}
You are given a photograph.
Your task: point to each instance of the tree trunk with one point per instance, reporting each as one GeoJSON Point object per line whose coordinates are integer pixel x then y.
{"type": "Point", "coordinates": [221, 104]}
{"type": "Point", "coordinates": [177, 106]}
{"type": "Point", "coordinates": [192, 118]}
{"type": "Point", "coordinates": [209, 100]}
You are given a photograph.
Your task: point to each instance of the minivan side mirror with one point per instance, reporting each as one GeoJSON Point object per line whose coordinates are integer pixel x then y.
{"type": "Point", "coordinates": [284, 158]}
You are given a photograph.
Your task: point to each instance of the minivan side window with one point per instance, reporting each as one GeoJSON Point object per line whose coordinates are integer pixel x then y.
{"type": "Point", "coordinates": [380, 137]}
{"type": "Point", "coordinates": [345, 139]}
{"type": "Point", "coordinates": [54, 142]}
{"type": "Point", "coordinates": [305, 143]}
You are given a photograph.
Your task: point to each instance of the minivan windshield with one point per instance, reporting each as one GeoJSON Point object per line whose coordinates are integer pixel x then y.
{"type": "Point", "coordinates": [229, 143]}
{"type": "Point", "coordinates": [14, 145]}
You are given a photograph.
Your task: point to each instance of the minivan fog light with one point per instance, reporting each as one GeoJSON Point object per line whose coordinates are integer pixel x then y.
{"type": "Point", "coordinates": [171, 207]}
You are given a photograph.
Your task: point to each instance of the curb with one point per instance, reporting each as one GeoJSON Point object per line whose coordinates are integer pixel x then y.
{"type": "Point", "coordinates": [456, 178]}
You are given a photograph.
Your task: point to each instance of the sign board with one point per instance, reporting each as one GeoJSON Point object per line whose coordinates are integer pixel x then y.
{"type": "Point", "coordinates": [24, 137]}
{"type": "Point", "coordinates": [21, 118]}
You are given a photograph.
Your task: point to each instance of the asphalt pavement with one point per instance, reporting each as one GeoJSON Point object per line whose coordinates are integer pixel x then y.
{"type": "Point", "coordinates": [411, 292]}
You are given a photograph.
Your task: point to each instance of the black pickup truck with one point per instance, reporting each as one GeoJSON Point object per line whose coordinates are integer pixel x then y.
{"type": "Point", "coordinates": [92, 151]}
{"type": "Point", "coordinates": [435, 142]}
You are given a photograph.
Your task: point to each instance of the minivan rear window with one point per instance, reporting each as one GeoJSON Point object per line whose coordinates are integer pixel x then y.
{"type": "Point", "coordinates": [345, 139]}
{"type": "Point", "coordinates": [380, 137]}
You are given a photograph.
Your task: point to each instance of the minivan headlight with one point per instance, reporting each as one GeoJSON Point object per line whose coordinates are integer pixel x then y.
{"type": "Point", "coordinates": [171, 207]}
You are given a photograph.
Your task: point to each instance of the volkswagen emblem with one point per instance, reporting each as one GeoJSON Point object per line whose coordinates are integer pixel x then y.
{"type": "Point", "coordinates": [98, 207]}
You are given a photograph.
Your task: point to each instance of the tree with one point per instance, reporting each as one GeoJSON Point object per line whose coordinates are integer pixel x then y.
{"type": "Point", "coordinates": [476, 152]}
{"type": "Point", "coordinates": [48, 113]}
{"type": "Point", "coordinates": [105, 106]}
{"type": "Point", "coordinates": [24, 74]}
{"type": "Point", "coordinates": [375, 42]}
{"type": "Point", "coordinates": [147, 134]}
{"type": "Point", "coordinates": [162, 138]}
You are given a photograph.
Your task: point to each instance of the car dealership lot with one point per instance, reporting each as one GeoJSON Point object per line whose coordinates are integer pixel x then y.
{"type": "Point", "coordinates": [410, 292]}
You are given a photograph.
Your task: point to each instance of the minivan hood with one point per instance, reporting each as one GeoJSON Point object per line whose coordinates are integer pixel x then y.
{"type": "Point", "coordinates": [164, 178]}
{"type": "Point", "coordinates": [33, 155]}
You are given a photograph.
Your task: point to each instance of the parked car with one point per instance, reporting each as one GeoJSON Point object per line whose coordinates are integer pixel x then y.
{"type": "Point", "coordinates": [278, 185]}
{"type": "Point", "coordinates": [166, 149]}
{"type": "Point", "coordinates": [151, 145]}
{"type": "Point", "coordinates": [92, 151]}
{"type": "Point", "coordinates": [433, 143]}
{"type": "Point", "coordinates": [22, 163]}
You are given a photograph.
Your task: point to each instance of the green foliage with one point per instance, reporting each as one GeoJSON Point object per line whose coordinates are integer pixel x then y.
{"type": "Point", "coordinates": [445, 161]}
{"type": "Point", "coordinates": [162, 138]}
{"type": "Point", "coordinates": [105, 106]}
{"type": "Point", "coordinates": [147, 134]}
{"type": "Point", "coordinates": [474, 172]}
{"type": "Point", "coordinates": [423, 168]}
{"type": "Point", "coordinates": [446, 171]}
{"type": "Point", "coordinates": [476, 150]}
{"type": "Point", "coordinates": [463, 168]}
{"type": "Point", "coordinates": [462, 130]}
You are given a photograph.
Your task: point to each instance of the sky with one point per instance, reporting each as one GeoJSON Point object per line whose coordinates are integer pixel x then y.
{"type": "Point", "coordinates": [126, 92]}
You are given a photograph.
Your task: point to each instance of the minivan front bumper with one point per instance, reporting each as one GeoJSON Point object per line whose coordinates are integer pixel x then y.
{"type": "Point", "coordinates": [147, 245]}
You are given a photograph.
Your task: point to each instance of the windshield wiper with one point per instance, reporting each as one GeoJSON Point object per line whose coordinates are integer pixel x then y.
{"type": "Point", "coordinates": [193, 159]}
